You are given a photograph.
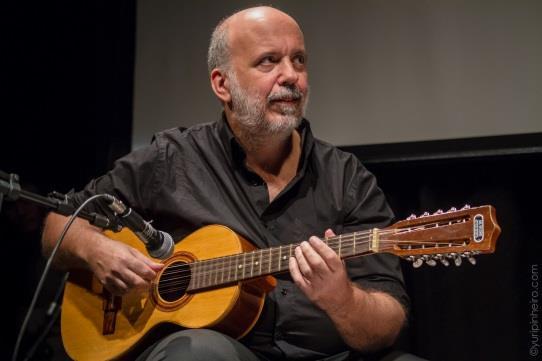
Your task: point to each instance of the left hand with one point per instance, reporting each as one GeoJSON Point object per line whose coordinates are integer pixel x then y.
{"type": "Point", "coordinates": [319, 272]}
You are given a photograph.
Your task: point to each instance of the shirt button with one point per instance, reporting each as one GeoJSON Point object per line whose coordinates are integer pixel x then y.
{"type": "Point", "coordinates": [284, 291]}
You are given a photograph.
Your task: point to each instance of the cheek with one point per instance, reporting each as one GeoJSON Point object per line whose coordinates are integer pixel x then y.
{"type": "Point", "coordinates": [304, 82]}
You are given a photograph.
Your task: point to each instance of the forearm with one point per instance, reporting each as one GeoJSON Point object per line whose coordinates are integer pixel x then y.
{"type": "Point", "coordinates": [369, 320]}
{"type": "Point", "coordinates": [74, 248]}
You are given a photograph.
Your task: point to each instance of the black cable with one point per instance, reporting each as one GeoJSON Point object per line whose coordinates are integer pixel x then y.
{"type": "Point", "coordinates": [53, 312]}
{"type": "Point", "coordinates": [44, 274]}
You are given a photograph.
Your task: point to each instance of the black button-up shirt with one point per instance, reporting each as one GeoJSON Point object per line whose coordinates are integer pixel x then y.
{"type": "Point", "coordinates": [190, 178]}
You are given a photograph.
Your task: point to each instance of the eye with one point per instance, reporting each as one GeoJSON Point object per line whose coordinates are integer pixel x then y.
{"type": "Point", "coordinates": [300, 59]}
{"type": "Point", "coordinates": [269, 59]}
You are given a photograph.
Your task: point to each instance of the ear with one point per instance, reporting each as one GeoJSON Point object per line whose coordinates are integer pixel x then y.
{"type": "Point", "coordinates": [220, 88]}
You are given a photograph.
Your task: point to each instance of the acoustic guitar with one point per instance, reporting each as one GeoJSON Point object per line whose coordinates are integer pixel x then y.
{"type": "Point", "coordinates": [216, 279]}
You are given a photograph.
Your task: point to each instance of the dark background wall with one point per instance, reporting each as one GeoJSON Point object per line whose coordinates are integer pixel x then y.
{"type": "Point", "coordinates": [68, 115]}
{"type": "Point", "coordinates": [436, 69]}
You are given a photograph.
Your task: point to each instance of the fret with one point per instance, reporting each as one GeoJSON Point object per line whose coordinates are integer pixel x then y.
{"type": "Point", "coordinates": [215, 270]}
{"type": "Point", "coordinates": [284, 260]}
{"type": "Point", "coordinates": [193, 274]}
{"type": "Point", "coordinates": [209, 272]}
{"type": "Point", "coordinates": [252, 264]}
{"type": "Point", "coordinates": [261, 254]}
{"type": "Point", "coordinates": [340, 245]}
{"type": "Point", "coordinates": [235, 276]}
{"type": "Point", "coordinates": [229, 267]}
{"type": "Point", "coordinates": [354, 252]}
{"type": "Point", "coordinates": [275, 260]}
{"type": "Point", "coordinates": [280, 258]}
{"type": "Point", "coordinates": [206, 273]}
{"type": "Point", "coordinates": [270, 258]}
{"type": "Point", "coordinates": [222, 268]}
{"type": "Point", "coordinates": [244, 265]}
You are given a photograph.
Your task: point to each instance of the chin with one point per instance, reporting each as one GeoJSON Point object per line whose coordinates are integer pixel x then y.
{"type": "Point", "coordinates": [283, 124]}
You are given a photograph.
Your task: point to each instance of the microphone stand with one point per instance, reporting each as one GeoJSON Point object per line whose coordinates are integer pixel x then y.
{"type": "Point", "coordinates": [10, 188]}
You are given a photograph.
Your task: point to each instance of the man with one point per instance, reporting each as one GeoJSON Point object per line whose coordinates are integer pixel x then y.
{"type": "Point", "coordinates": [259, 171]}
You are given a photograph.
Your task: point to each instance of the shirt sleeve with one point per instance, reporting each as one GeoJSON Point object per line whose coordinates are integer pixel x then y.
{"type": "Point", "coordinates": [365, 208]}
{"type": "Point", "coordinates": [134, 180]}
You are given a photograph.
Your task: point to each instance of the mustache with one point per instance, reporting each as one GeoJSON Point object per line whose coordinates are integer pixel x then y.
{"type": "Point", "coordinates": [286, 93]}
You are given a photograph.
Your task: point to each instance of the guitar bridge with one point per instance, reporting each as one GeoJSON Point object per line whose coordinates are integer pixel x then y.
{"type": "Point", "coordinates": [111, 304]}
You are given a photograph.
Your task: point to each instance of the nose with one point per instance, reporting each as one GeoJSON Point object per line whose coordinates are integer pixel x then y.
{"type": "Point", "coordinates": [288, 74]}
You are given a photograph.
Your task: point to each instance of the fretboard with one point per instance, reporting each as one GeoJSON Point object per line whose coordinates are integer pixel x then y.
{"type": "Point", "coordinates": [231, 269]}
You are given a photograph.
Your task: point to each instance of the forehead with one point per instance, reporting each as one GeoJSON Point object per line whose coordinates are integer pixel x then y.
{"type": "Point", "coordinates": [258, 33]}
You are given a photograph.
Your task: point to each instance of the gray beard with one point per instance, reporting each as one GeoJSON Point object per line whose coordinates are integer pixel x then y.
{"type": "Point", "coordinates": [250, 114]}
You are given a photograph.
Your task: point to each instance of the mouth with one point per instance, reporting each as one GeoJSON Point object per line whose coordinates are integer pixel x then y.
{"type": "Point", "coordinates": [287, 100]}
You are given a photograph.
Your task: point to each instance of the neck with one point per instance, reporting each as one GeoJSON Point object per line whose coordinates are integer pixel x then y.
{"type": "Point", "coordinates": [268, 153]}
{"type": "Point", "coordinates": [272, 155]}
{"type": "Point", "coordinates": [226, 270]}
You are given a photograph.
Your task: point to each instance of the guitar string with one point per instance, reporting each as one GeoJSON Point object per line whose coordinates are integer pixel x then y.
{"type": "Point", "coordinates": [183, 285]}
{"type": "Point", "coordinates": [172, 287]}
{"type": "Point", "coordinates": [184, 280]}
{"type": "Point", "coordinates": [328, 241]}
{"type": "Point", "coordinates": [331, 242]}
{"type": "Point", "coordinates": [229, 265]}
{"type": "Point", "coordinates": [346, 245]}
{"type": "Point", "coordinates": [168, 284]}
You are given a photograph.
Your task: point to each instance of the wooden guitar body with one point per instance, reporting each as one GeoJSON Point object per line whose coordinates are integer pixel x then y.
{"type": "Point", "coordinates": [216, 279]}
{"type": "Point", "coordinates": [98, 326]}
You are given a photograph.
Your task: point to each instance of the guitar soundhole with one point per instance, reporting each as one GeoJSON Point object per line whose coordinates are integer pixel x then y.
{"type": "Point", "coordinates": [174, 281]}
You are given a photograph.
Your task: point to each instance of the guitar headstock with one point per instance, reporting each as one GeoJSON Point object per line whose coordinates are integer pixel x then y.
{"type": "Point", "coordinates": [442, 236]}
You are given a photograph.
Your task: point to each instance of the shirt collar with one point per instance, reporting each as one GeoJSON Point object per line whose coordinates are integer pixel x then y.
{"type": "Point", "coordinates": [236, 154]}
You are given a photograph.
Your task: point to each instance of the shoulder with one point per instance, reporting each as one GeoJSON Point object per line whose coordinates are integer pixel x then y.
{"type": "Point", "coordinates": [332, 158]}
{"type": "Point", "coordinates": [180, 135]}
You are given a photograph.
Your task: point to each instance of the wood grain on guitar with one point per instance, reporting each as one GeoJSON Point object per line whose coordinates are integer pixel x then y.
{"type": "Point", "coordinates": [217, 279]}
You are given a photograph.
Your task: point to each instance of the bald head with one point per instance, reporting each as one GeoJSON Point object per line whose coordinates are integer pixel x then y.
{"type": "Point", "coordinates": [231, 32]}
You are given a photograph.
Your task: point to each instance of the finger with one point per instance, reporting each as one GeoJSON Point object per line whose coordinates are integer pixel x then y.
{"type": "Point", "coordinates": [132, 280]}
{"type": "Point", "coordinates": [142, 266]}
{"type": "Point", "coordinates": [330, 258]}
{"type": "Point", "coordinates": [115, 286]}
{"type": "Point", "coordinates": [314, 260]}
{"type": "Point", "coordinates": [329, 233]}
{"type": "Point", "coordinates": [156, 266]}
{"type": "Point", "coordinates": [302, 263]}
{"type": "Point", "coordinates": [296, 274]}
{"type": "Point", "coordinates": [149, 262]}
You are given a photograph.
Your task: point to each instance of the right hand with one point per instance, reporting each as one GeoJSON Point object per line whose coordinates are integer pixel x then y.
{"type": "Point", "coordinates": [121, 268]}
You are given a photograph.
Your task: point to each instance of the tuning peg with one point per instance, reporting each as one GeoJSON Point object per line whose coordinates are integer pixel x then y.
{"type": "Point", "coordinates": [417, 263]}
{"type": "Point", "coordinates": [453, 209]}
{"type": "Point", "coordinates": [425, 214]}
{"type": "Point", "coordinates": [442, 259]}
{"type": "Point", "coordinates": [458, 261]}
{"type": "Point", "coordinates": [410, 258]}
{"type": "Point", "coordinates": [439, 211]}
{"type": "Point", "coordinates": [412, 216]}
{"type": "Point", "coordinates": [428, 260]}
{"type": "Point", "coordinates": [466, 206]}
{"type": "Point", "coordinates": [469, 256]}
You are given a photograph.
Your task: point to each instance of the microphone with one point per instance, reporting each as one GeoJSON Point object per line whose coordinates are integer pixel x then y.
{"type": "Point", "coordinates": [159, 244]}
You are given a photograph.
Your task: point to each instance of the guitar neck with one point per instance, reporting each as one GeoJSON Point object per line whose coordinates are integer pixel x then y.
{"type": "Point", "coordinates": [269, 261]}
